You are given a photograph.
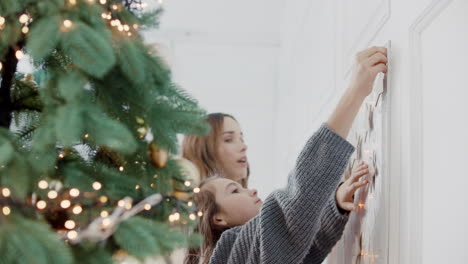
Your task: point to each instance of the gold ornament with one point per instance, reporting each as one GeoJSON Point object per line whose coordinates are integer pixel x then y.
{"type": "Point", "coordinates": [182, 195]}
{"type": "Point", "coordinates": [158, 155]}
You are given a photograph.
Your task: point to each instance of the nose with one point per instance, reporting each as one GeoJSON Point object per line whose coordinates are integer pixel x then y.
{"type": "Point", "coordinates": [243, 147]}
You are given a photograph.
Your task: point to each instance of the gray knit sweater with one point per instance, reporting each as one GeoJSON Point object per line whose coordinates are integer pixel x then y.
{"type": "Point", "coordinates": [300, 223]}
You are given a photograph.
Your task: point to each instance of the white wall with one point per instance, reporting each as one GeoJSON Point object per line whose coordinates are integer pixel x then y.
{"type": "Point", "coordinates": [225, 53]}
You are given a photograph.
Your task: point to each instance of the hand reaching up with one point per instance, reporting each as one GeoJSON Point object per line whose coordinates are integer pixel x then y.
{"type": "Point", "coordinates": [369, 63]}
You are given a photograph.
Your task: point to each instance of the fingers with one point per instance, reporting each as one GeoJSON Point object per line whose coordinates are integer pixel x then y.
{"type": "Point", "coordinates": [360, 166]}
{"type": "Point", "coordinates": [359, 174]}
{"type": "Point", "coordinates": [371, 51]}
{"type": "Point", "coordinates": [360, 171]}
{"type": "Point", "coordinates": [377, 58]}
{"type": "Point", "coordinates": [381, 68]}
{"type": "Point", "coordinates": [349, 206]}
{"type": "Point", "coordinates": [355, 186]}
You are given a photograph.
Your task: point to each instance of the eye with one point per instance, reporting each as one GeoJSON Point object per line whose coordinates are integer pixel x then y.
{"type": "Point", "coordinates": [235, 190]}
{"type": "Point", "coordinates": [228, 140]}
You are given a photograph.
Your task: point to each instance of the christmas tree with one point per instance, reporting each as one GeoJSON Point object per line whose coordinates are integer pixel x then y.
{"type": "Point", "coordinates": [88, 141]}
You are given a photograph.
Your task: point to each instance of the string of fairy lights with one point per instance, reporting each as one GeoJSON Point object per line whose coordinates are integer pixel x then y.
{"type": "Point", "coordinates": [68, 199]}
{"type": "Point", "coordinates": [25, 20]}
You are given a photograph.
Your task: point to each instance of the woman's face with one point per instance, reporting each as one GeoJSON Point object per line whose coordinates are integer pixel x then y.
{"type": "Point", "coordinates": [232, 151]}
{"type": "Point", "coordinates": [237, 205]}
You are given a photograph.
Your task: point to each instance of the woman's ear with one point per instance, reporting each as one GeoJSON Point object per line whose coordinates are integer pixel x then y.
{"type": "Point", "coordinates": [220, 220]}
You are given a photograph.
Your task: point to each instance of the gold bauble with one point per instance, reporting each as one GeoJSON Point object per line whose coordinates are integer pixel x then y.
{"type": "Point", "coordinates": [158, 156]}
{"type": "Point", "coordinates": [182, 195]}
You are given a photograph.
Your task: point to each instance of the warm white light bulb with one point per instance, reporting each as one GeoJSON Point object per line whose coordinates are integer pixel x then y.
{"type": "Point", "coordinates": [43, 184]}
{"type": "Point", "coordinates": [67, 23]}
{"type": "Point", "coordinates": [171, 218]}
{"type": "Point", "coordinates": [77, 209]}
{"type": "Point", "coordinates": [52, 194]}
{"type": "Point", "coordinates": [19, 54]}
{"type": "Point", "coordinates": [70, 224]}
{"type": "Point", "coordinates": [6, 192]}
{"type": "Point", "coordinates": [74, 192]}
{"type": "Point", "coordinates": [106, 222]}
{"type": "Point", "coordinates": [65, 204]}
{"type": "Point", "coordinates": [41, 204]}
{"type": "Point", "coordinates": [6, 210]}
{"type": "Point", "coordinates": [23, 18]}
{"type": "Point", "coordinates": [97, 186]}
{"type": "Point", "coordinates": [103, 199]}
{"type": "Point", "coordinates": [72, 234]}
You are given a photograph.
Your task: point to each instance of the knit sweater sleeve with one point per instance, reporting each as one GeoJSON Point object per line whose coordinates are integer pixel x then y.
{"type": "Point", "coordinates": [290, 219]}
{"type": "Point", "coordinates": [332, 225]}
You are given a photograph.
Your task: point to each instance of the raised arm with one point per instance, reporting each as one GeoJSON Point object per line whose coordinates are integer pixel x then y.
{"type": "Point", "coordinates": [368, 64]}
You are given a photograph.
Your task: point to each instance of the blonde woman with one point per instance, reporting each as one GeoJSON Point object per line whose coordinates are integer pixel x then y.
{"type": "Point", "coordinates": [221, 152]}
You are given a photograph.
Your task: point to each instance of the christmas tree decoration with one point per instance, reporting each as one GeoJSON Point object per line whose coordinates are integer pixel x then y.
{"type": "Point", "coordinates": [158, 155]}
{"type": "Point", "coordinates": [88, 140]}
{"type": "Point", "coordinates": [184, 190]}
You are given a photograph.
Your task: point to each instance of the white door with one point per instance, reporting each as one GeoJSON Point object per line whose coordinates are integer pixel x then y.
{"type": "Point", "coordinates": [425, 198]}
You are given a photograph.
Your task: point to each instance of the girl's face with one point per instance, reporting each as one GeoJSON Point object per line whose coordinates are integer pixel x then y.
{"type": "Point", "coordinates": [232, 151]}
{"type": "Point", "coordinates": [237, 205]}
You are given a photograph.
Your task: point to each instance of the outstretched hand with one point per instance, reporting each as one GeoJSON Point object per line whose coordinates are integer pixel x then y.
{"type": "Point", "coordinates": [345, 193]}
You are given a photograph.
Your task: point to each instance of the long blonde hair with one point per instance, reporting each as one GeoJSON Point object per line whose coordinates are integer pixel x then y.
{"type": "Point", "coordinates": [206, 203]}
{"type": "Point", "coordinates": [202, 150]}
